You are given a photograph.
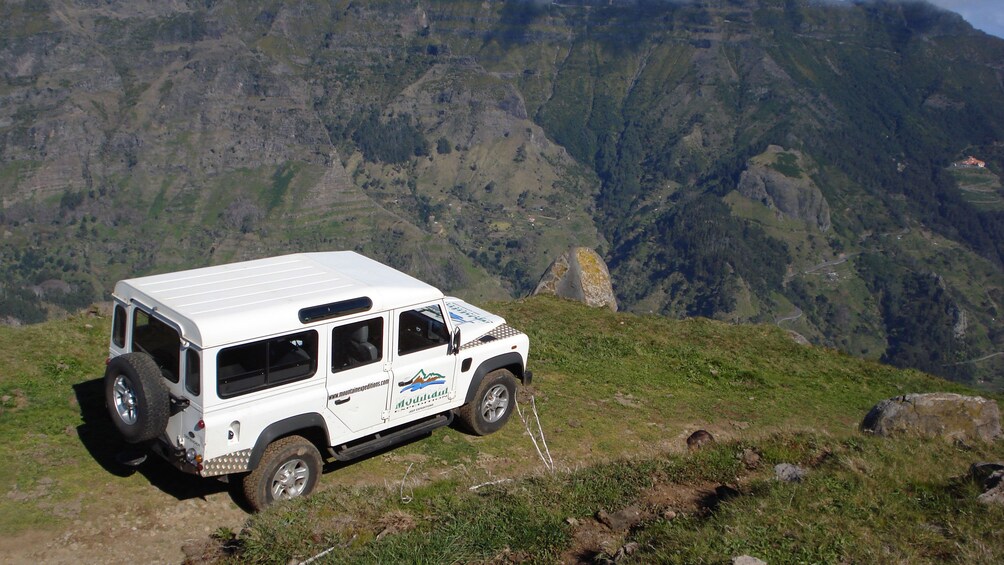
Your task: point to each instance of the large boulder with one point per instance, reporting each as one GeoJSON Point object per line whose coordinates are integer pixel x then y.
{"type": "Point", "coordinates": [579, 274]}
{"type": "Point", "coordinates": [939, 414]}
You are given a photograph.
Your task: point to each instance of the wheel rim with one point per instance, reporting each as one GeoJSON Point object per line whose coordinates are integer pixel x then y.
{"type": "Point", "coordinates": [290, 479]}
{"type": "Point", "coordinates": [495, 404]}
{"type": "Point", "coordinates": [125, 400]}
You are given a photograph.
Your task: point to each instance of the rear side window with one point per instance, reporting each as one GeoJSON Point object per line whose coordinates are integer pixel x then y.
{"type": "Point", "coordinates": [158, 340]}
{"type": "Point", "coordinates": [119, 319]}
{"type": "Point", "coordinates": [267, 363]}
{"type": "Point", "coordinates": [357, 344]}
{"type": "Point", "coordinates": [193, 372]}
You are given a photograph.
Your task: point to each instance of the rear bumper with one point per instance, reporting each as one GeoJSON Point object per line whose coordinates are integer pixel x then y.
{"type": "Point", "coordinates": [174, 456]}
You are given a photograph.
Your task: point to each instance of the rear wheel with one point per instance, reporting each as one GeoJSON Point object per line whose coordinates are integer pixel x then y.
{"type": "Point", "coordinates": [492, 404]}
{"type": "Point", "coordinates": [289, 469]}
{"type": "Point", "coordinates": [136, 397]}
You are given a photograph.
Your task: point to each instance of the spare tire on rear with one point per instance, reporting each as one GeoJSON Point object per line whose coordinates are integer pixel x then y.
{"type": "Point", "coordinates": [136, 397]}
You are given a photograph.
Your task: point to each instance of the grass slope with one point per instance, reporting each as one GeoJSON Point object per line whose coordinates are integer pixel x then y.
{"type": "Point", "coordinates": [617, 395]}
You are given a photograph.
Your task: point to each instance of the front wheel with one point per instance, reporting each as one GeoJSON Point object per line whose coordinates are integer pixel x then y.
{"type": "Point", "coordinates": [492, 405]}
{"type": "Point", "coordinates": [289, 469]}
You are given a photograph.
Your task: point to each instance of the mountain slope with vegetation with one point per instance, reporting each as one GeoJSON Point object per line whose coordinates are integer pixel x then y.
{"type": "Point", "coordinates": [779, 161]}
{"type": "Point", "coordinates": [616, 395]}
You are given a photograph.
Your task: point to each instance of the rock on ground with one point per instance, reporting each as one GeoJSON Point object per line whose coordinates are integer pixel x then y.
{"type": "Point", "coordinates": [940, 414]}
{"type": "Point", "coordinates": [987, 474]}
{"type": "Point", "coordinates": [699, 439]}
{"type": "Point", "coordinates": [990, 477]}
{"type": "Point", "coordinates": [621, 520]}
{"type": "Point", "coordinates": [789, 473]}
{"type": "Point", "coordinates": [579, 274]}
{"type": "Point", "coordinates": [750, 458]}
{"type": "Point", "coordinates": [993, 496]}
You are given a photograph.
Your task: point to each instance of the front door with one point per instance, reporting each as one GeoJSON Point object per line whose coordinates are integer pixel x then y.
{"type": "Point", "coordinates": [358, 379]}
{"type": "Point", "coordinates": [423, 375]}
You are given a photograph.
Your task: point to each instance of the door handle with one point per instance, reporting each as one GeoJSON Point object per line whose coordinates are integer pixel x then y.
{"type": "Point", "coordinates": [343, 400]}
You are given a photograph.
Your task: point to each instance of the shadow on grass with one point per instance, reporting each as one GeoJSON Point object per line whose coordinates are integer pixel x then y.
{"type": "Point", "coordinates": [98, 435]}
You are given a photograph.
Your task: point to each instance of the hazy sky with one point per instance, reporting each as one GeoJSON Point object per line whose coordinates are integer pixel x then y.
{"type": "Point", "coordinates": [984, 15]}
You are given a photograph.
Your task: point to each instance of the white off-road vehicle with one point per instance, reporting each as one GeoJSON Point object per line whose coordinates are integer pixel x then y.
{"type": "Point", "coordinates": [252, 370]}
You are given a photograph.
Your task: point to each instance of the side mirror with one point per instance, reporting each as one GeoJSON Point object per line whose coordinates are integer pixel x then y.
{"type": "Point", "coordinates": [455, 342]}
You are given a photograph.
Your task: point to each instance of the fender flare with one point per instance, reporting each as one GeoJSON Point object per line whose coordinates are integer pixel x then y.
{"type": "Point", "coordinates": [512, 361]}
{"type": "Point", "coordinates": [276, 430]}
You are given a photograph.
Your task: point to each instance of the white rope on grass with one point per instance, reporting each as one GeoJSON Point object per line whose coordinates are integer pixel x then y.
{"type": "Point", "coordinates": [496, 482]}
{"type": "Point", "coordinates": [405, 499]}
{"type": "Point", "coordinates": [533, 404]}
{"type": "Point", "coordinates": [548, 462]}
{"type": "Point", "coordinates": [327, 551]}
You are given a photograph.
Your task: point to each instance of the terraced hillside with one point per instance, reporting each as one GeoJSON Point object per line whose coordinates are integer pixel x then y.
{"type": "Point", "coordinates": [743, 160]}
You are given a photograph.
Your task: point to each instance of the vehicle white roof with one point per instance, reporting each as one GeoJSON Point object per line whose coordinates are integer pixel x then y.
{"type": "Point", "coordinates": [230, 303]}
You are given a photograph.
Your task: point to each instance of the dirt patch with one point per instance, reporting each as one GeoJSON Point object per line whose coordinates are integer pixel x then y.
{"type": "Point", "coordinates": [150, 527]}
{"type": "Point", "coordinates": [16, 400]}
{"type": "Point", "coordinates": [394, 523]}
{"type": "Point", "coordinates": [663, 498]}
{"type": "Point", "coordinates": [602, 538]}
{"type": "Point", "coordinates": [591, 539]}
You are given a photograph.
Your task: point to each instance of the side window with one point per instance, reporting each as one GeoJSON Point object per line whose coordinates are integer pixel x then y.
{"type": "Point", "coordinates": [357, 344]}
{"type": "Point", "coordinates": [262, 364]}
{"type": "Point", "coordinates": [158, 340]}
{"type": "Point", "coordinates": [421, 328]}
{"type": "Point", "coordinates": [119, 319]}
{"type": "Point", "coordinates": [193, 372]}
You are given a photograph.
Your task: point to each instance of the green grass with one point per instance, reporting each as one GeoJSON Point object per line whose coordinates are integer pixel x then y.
{"type": "Point", "coordinates": [864, 500]}
{"type": "Point", "coordinates": [42, 461]}
{"type": "Point", "coordinates": [787, 165]}
{"type": "Point", "coordinates": [617, 394]}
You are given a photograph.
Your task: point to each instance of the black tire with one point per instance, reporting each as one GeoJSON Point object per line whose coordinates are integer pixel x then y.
{"type": "Point", "coordinates": [288, 469]}
{"type": "Point", "coordinates": [492, 404]}
{"type": "Point", "coordinates": [136, 397]}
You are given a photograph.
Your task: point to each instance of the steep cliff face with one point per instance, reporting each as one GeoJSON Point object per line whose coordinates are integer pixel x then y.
{"type": "Point", "coordinates": [776, 180]}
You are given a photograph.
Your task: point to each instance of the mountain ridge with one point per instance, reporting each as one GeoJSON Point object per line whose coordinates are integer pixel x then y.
{"type": "Point", "coordinates": [472, 143]}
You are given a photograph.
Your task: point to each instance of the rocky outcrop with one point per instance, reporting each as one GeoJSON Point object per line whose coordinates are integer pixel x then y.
{"type": "Point", "coordinates": [940, 414]}
{"type": "Point", "coordinates": [579, 274]}
{"type": "Point", "coordinates": [780, 188]}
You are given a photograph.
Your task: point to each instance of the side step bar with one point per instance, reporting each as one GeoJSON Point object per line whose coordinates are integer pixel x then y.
{"type": "Point", "coordinates": [386, 438]}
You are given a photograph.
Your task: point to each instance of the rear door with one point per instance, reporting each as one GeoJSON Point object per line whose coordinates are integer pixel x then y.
{"type": "Point", "coordinates": [359, 377]}
{"type": "Point", "coordinates": [161, 340]}
{"type": "Point", "coordinates": [423, 369]}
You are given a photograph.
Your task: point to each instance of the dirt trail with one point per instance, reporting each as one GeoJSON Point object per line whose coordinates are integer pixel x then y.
{"type": "Point", "coordinates": [144, 514]}
{"type": "Point", "coordinates": [128, 536]}
{"type": "Point", "coordinates": [152, 513]}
